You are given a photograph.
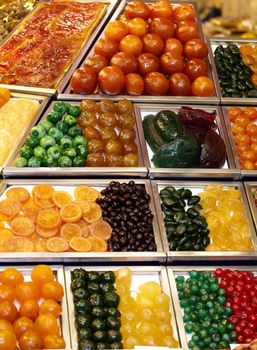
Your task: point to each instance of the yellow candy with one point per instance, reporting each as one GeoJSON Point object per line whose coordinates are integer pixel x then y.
{"type": "Point", "coordinates": [150, 289]}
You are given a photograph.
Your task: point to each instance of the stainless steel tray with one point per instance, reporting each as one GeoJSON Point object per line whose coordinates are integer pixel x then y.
{"type": "Point", "coordinates": [11, 171]}
{"type": "Point", "coordinates": [228, 171]}
{"type": "Point", "coordinates": [248, 188]}
{"type": "Point", "coordinates": [196, 187]}
{"type": "Point", "coordinates": [157, 99]}
{"type": "Point", "coordinates": [173, 272]}
{"type": "Point", "coordinates": [158, 256]}
{"type": "Point", "coordinates": [44, 101]}
{"type": "Point", "coordinates": [246, 174]}
{"type": "Point", "coordinates": [77, 58]}
{"type": "Point", "coordinates": [214, 42]}
{"type": "Point", "coordinates": [59, 276]}
{"type": "Point", "coordinates": [141, 274]}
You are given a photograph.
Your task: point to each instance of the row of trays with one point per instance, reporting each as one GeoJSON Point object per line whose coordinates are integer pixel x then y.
{"type": "Point", "coordinates": [245, 221]}
{"type": "Point", "coordinates": [230, 170]}
{"type": "Point", "coordinates": [116, 9]}
{"type": "Point", "coordinates": [170, 281]}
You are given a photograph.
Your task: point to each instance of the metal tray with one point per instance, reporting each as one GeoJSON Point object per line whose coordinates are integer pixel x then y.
{"type": "Point", "coordinates": [96, 29]}
{"type": "Point", "coordinates": [196, 187]}
{"type": "Point", "coordinates": [173, 272]}
{"type": "Point", "coordinates": [157, 99]}
{"type": "Point", "coordinates": [158, 256]}
{"type": "Point", "coordinates": [59, 276]}
{"type": "Point", "coordinates": [11, 171]}
{"type": "Point", "coordinates": [44, 101]}
{"type": "Point", "coordinates": [214, 42]}
{"type": "Point", "coordinates": [247, 174]}
{"type": "Point", "coordinates": [229, 170]}
{"type": "Point", "coordinates": [248, 188]}
{"type": "Point", "coordinates": [139, 275]}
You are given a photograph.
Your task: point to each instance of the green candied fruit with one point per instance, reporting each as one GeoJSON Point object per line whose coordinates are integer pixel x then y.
{"type": "Point", "coordinates": [39, 152]}
{"type": "Point", "coordinates": [21, 162]}
{"type": "Point", "coordinates": [70, 152]}
{"type": "Point", "coordinates": [61, 107]}
{"type": "Point", "coordinates": [34, 162]}
{"type": "Point", "coordinates": [47, 141]}
{"type": "Point", "coordinates": [66, 142]}
{"type": "Point", "coordinates": [55, 152]}
{"type": "Point", "coordinates": [79, 161]}
{"type": "Point", "coordinates": [63, 127]}
{"type": "Point", "coordinates": [55, 133]}
{"type": "Point", "coordinates": [54, 117]}
{"type": "Point", "coordinates": [65, 162]}
{"type": "Point", "coordinates": [79, 140]}
{"type": "Point", "coordinates": [75, 111]}
{"type": "Point", "coordinates": [70, 120]}
{"type": "Point", "coordinates": [82, 150]}
{"type": "Point", "coordinates": [38, 131]}
{"type": "Point", "coordinates": [26, 152]}
{"type": "Point", "coordinates": [46, 125]}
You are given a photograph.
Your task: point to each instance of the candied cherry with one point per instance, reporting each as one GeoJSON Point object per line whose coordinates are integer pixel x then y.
{"type": "Point", "coordinates": [173, 46]}
{"type": "Point", "coordinates": [170, 65]}
{"type": "Point", "coordinates": [195, 68]}
{"type": "Point", "coordinates": [180, 85]}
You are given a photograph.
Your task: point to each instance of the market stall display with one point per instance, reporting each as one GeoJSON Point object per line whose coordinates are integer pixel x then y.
{"type": "Point", "coordinates": [82, 219]}
{"type": "Point", "coordinates": [111, 317]}
{"type": "Point", "coordinates": [201, 220]}
{"type": "Point", "coordinates": [39, 58]}
{"type": "Point", "coordinates": [33, 309]}
{"type": "Point", "coordinates": [215, 306]}
{"type": "Point", "coordinates": [174, 138]}
{"type": "Point", "coordinates": [17, 113]}
{"type": "Point", "coordinates": [148, 49]}
{"type": "Point", "coordinates": [12, 12]}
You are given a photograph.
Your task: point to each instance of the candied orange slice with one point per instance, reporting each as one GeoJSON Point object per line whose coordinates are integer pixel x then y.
{"type": "Point", "coordinates": [10, 207]}
{"type": "Point", "coordinates": [4, 217]}
{"type": "Point", "coordinates": [20, 194]}
{"type": "Point", "coordinates": [48, 218]}
{"type": "Point", "coordinates": [5, 96]}
{"type": "Point", "coordinates": [60, 198]}
{"type": "Point", "coordinates": [5, 233]}
{"type": "Point", "coordinates": [1, 224]}
{"type": "Point", "coordinates": [40, 245]}
{"type": "Point", "coordinates": [57, 244]}
{"type": "Point", "coordinates": [84, 227]}
{"type": "Point", "coordinates": [71, 212]}
{"type": "Point", "coordinates": [47, 233]}
{"type": "Point", "coordinates": [80, 244]}
{"type": "Point", "coordinates": [22, 226]}
{"type": "Point", "coordinates": [98, 244]}
{"type": "Point", "coordinates": [85, 193]}
{"type": "Point", "coordinates": [85, 206]}
{"type": "Point", "coordinates": [94, 214]}
{"type": "Point", "coordinates": [20, 244]}
{"type": "Point", "coordinates": [44, 202]}
{"type": "Point", "coordinates": [69, 230]}
{"type": "Point", "coordinates": [43, 191]}
{"type": "Point", "coordinates": [100, 229]}
{"type": "Point", "coordinates": [30, 210]}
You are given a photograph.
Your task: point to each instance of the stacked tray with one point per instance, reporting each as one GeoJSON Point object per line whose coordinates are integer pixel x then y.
{"type": "Point", "coordinates": [156, 99]}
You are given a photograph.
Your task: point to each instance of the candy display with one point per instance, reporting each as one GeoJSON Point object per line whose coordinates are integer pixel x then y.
{"type": "Point", "coordinates": [15, 116]}
{"type": "Point", "coordinates": [55, 141]}
{"type": "Point", "coordinates": [218, 307]}
{"type": "Point", "coordinates": [30, 309]}
{"type": "Point", "coordinates": [235, 76]}
{"type": "Point", "coordinates": [97, 316]}
{"type": "Point", "coordinates": [186, 228]}
{"type": "Point", "coordinates": [110, 130]}
{"type": "Point", "coordinates": [225, 216]}
{"type": "Point", "coordinates": [27, 59]}
{"type": "Point", "coordinates": [152, 49]}
{"type": "Point", "coordinates": [244, 130]}
{"type": "Point", "coordinates": [45, 219]}
{"type": "Point", "coordinates": [186, 139]}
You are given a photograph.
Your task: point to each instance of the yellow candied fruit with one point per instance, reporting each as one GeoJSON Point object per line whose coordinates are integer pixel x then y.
{"type": "Point", "coordinates": [224, 212]}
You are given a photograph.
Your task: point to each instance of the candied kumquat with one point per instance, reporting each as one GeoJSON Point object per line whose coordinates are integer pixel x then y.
{"type": "Point", "coordinates": [22, 325]}
{"type": "Point", "coordinates": [54, 341]}
{"type": "Point", "coordinates": [46, 324]}
{"type": "Point", "coordinates": [29, 308]}
{"type": "Point", "coordinates": [8, 311]}
{"type": "Point", "coordinates": [52, 290]}
{"type": "Point", "coordinates": [7, 338]}
{"type": "Point", "coordinates": [11, 277]}
{"type": "Point", "coordinates": [50, 306]}
{"type": "Point", "coordinates": [31, 340]}
{"type": "Point", "coordinates": [42, 274]}
{"type": "Point", "coordinates": [26, 291]}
